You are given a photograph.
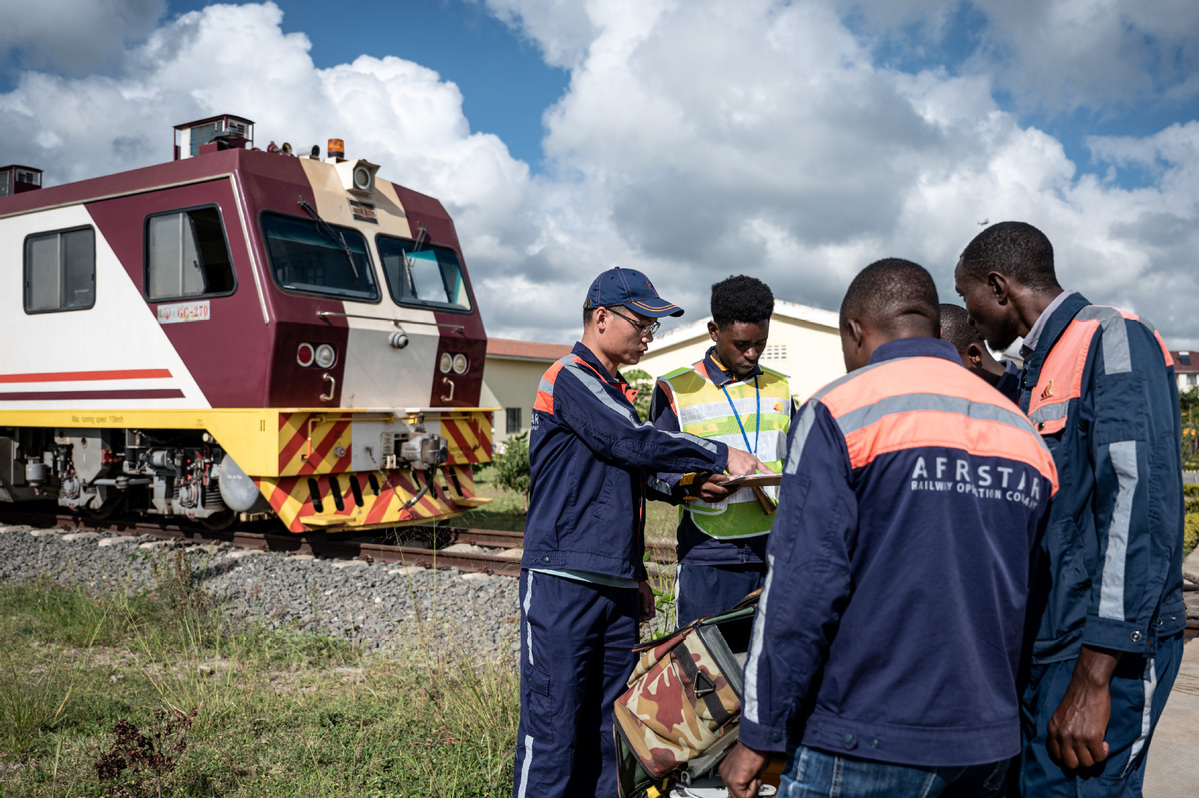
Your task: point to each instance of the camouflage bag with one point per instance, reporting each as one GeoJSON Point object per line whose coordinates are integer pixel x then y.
{"type": "Point", "coordinates": [679, 715]}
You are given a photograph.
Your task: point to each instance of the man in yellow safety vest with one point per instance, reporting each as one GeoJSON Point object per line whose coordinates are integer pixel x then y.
{"type": "Point", "coordinates": [727, 396]}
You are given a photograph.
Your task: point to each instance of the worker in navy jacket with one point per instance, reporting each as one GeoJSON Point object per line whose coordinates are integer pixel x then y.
{"type": "Point", "coordinates": [1106, 611]}
{"type": "Point", "coordinates": [957, 330]}
{"type": "Point", "coordinates": [726, 396]}
{"type": "Point", "coordinates": [583, 585]}
{"type": "Point", "coordinates": [884, 652]}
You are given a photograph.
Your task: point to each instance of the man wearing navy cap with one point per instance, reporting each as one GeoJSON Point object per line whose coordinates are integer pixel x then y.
{"type": "Point", "coordinates": [583, 585]}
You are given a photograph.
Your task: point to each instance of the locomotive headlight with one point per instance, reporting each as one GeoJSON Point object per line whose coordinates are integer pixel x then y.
{"type": "Point", "coordinates": [326, 356]}
{"type": "Point", "coordinates": [460, 364]}
{"type": "Point", "coordinates": [446, 363]}
{"type": "Point", "coordinates": [305, 355]}
{"type": "Point", "coordinates": [364, 180]}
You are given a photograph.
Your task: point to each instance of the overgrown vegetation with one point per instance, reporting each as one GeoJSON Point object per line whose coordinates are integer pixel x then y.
{"type": "Point", "coordinates": [511, 468]}
{"type": "Point", "coordinates": [1189, 405]}
{"type": "Point", "coordinates": [1191, 534]}
{"type": "Point", "coordinates": [157, 694]}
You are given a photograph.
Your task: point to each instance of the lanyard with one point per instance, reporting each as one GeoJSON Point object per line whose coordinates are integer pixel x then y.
{"type": "Point", "coordinates": [757, 415]}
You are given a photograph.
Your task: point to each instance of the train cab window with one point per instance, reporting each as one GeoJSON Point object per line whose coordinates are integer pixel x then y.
{"type": "Point", "coordinates": [187, 255]}
{"type": "Point", "coordinates": [314, 257]}
{"type": "Point", "coordinates": [60, 271]}
{"type": "Point", "coordinates": [429, 276]}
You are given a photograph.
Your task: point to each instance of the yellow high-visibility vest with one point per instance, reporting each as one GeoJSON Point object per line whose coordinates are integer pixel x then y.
{"type": "Point", "coordinates": [704, 409]}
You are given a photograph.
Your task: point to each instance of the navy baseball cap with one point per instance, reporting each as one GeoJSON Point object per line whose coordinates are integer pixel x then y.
{"type": "Point", "coordinates": [632, 289]}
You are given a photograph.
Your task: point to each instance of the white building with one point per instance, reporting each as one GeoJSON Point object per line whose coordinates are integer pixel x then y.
{"type": "Point", "coordinates": [1186, 369]}
{"type": "Point", "coordinates": [805, 344]}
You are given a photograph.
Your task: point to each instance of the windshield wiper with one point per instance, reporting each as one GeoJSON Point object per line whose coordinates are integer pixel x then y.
{"type": "Point", "coordinates": [409, 262]}
{"type": "Point", "coordinates": [328, 232]}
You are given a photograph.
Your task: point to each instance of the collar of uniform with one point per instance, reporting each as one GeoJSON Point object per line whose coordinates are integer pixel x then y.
{"type": "Point", "coordinates": [721, 376]}
{"type": "Point", "coordinates": [582, 351]}
{"type": "Point", "coordinates": [915, 347]}
{"type": "Point", "coordinates": [1038, 327]}
{"type": "Point", "coordinates": [1056, 320]}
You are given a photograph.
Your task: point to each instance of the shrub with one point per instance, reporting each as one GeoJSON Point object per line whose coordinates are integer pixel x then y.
{"type": "Point", "coordinates": [512, 467]}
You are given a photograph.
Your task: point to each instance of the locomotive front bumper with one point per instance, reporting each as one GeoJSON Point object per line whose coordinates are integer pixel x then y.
{"type": "Point", "coordinates": [360, 470]}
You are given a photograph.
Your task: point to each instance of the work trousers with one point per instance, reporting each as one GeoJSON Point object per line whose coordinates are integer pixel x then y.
{"type": "Point", "coordinates": [576, 642]}
{"type": "Point", "coordinates": [1139, 689]}
{"type": "Point", "coordinates": [703, 590]}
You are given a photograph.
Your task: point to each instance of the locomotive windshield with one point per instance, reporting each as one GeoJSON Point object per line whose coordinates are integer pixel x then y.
{"type": "Point", "coordinates": [428, 275]}
{"type": "Point", "coordinates": [318, 258]}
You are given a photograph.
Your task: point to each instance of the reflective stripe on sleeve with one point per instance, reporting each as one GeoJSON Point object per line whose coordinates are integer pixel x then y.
{"type": "Point", "coordinates": [1111, 591]}
{"type": "Point", "coordinates": [755, 648]}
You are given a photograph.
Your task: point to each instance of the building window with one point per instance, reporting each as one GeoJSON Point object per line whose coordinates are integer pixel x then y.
{"type": "Point", "coordinates": [1192, 379]}
{"type": "Point", "coordinates": [513, 421]}
{"type": "Point", "coordinates": [186, 255]}
{"type": "Point", "coordinates": [775, 352]}
{"type": "Point", "coordinates": [60, 271]}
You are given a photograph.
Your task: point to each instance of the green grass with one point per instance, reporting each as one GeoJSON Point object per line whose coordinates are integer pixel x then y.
{"type": "Point", "coordinates": [160, 693]}
{"type": "Point", "coordinates": [506, 513]}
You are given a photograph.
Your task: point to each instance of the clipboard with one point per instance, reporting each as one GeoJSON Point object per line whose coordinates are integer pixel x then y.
{"type": "Point", "coordinates": [754, 481]}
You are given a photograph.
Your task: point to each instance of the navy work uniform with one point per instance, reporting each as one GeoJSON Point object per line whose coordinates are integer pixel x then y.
{"type": "Point", "coordinates": [1099, 385]}
{"type": "Point", "coordinates": [889, 630]}
{"type": "Point", "coordinates": [591, 460]}
{"type": "Point", "coordinates": [722, 546]}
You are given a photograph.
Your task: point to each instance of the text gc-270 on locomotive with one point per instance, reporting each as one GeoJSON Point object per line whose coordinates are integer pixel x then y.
{"type": "Point", "coordinates": [235, 333]}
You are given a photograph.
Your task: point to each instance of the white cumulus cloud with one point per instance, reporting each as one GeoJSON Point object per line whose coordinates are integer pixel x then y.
{"type": "Point", "coordinates": [697, 139]}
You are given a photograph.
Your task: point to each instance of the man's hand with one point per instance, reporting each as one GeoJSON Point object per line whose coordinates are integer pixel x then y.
{"type": "Point", "coordinates": [1077, 728]}
{"type": "Point", "coordinates": [741, 771]}
{"type": "Point", "coordinates": [645, 595]}
{"type": "Point", "coordinates": [712, 489]}
{"type": "Point", "coordinates": [742, 463]}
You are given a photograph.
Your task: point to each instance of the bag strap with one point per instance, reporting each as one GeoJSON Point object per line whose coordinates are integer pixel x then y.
{"type": "Point", "coordinates": [750, 600]}
{"type": "Point", "coordinates": [705, 688]}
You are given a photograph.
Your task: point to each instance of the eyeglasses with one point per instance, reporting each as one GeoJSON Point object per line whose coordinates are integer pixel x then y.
{"type": "Point", "coordinates": [643, 327]}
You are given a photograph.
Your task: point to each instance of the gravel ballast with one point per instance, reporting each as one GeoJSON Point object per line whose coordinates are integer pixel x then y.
{"type": "Point", "coordinates": [382, 607]}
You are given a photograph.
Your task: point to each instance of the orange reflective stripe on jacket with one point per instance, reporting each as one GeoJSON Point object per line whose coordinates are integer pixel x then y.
{"type": "Point", "coordinates": [545, 391]}
{"type": "Point", "coordinates": [885, 408]}
{"type": "Point", "coordinates": [1060, 379]}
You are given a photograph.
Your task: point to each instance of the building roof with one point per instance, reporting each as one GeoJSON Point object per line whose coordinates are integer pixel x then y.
{"type": "Point", "coordinates": [508, 349]}
{"type": "Point", "coordinates": [804, 314]}
{"type": "Point", "coordinates": [1185, 361]}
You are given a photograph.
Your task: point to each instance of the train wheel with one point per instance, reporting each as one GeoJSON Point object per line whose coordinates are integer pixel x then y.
{"type": "Point", "coordinates": [219, 522]}
{"type": "Point", "coordinates": [110, 509]}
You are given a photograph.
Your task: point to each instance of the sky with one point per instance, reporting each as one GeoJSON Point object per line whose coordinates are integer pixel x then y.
{"type": "Point", "coordinates": [691, 139]}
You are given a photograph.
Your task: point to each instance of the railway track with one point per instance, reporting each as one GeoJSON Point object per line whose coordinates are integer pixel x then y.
{"type": "Point", "coordinates": [488, 551]}
{"type": "Point", "coordinates": [467, 550]}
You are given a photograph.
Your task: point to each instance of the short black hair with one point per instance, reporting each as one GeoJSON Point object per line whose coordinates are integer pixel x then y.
{"type": "Point", "coordinates": [957, 329]}
{"type": "Point", "coordinates": [894, 295]}
{"type": "Point", "coordinates": [1014, 249]}
{"type": "Point", "coordinates": [587, 314]}
{"type": "Point", "coordinates": [741, 298]}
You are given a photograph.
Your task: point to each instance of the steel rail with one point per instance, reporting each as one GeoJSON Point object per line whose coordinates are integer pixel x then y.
{"type": "Point", "coordinates": [494, 538]}
{"type": "Point", "coordinates": [320, 544]}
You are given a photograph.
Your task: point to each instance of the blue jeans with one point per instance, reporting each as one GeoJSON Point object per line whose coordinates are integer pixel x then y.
{"type": "Point", "coordinates": [812, 773]}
